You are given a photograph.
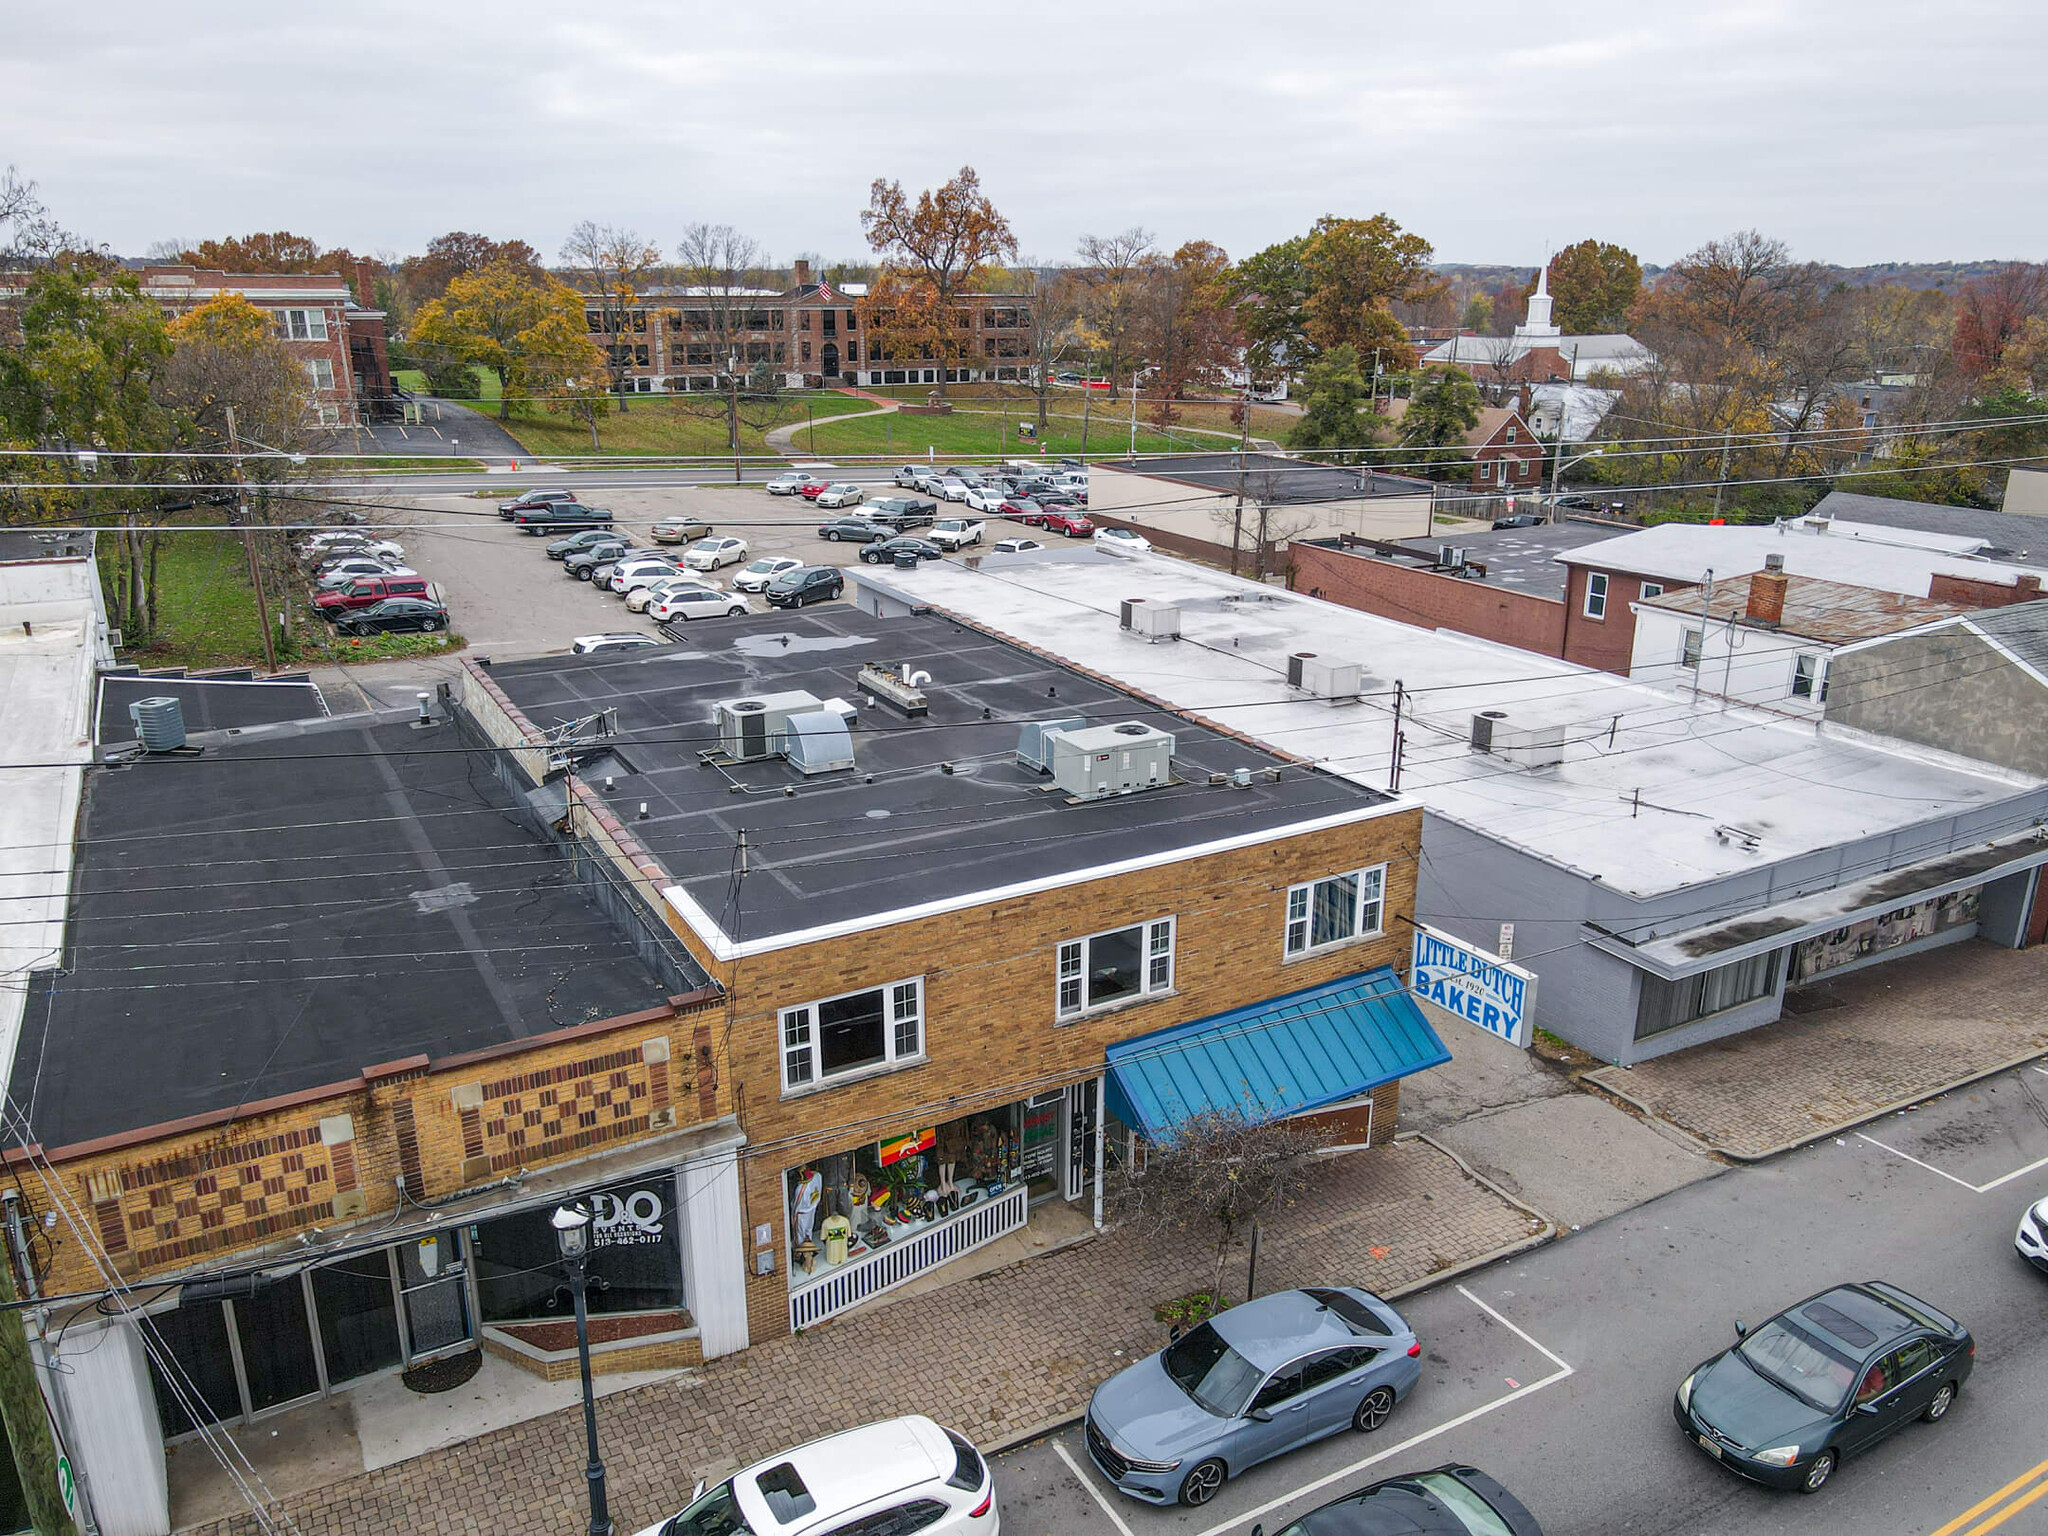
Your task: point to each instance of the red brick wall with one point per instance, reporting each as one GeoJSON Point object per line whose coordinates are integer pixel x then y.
{"type": "Point", "coordinates": [1607, 643]}
{"type": "Point", "coordinates": [1983, 594]}
{"type": "Point", "coordinates": [1429, 599]}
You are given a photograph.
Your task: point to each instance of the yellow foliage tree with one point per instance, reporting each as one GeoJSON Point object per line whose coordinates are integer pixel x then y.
{"type": "Point", "coordinates": [523, 325]}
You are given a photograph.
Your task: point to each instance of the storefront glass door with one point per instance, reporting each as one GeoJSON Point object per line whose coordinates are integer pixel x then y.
{"type": "Point", "coordinates": [434, 1286]}
{"type": "Point", "coordinates": [276, 1339]}
{"type": "Point", "coordinates": [357, 1305]}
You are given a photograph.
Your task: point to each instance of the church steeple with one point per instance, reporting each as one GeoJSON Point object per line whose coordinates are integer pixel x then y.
{"type": "Point", "coordinates": [1538, 322]}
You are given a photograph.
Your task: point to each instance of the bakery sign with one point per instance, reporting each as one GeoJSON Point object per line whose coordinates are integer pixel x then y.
{"type": "Point", "coordinates": [627, 1219]}
{"type": "Point", "coordinates": [1477, 986]}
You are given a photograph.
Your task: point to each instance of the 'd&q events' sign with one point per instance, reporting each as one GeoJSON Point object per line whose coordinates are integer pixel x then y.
{"type": "Point", "coordinates": [1479, 987]}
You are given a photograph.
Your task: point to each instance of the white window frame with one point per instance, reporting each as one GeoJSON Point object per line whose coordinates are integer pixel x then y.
{"type": "Point", "coordinates": [321, 371]}
{"type": "Point", "coordinates": [1369, 904]}
{"type": "Point", "coordinates": [902, 1036]}
{"type": "Point", "coordinates": [1810, 668]}
{"type": "Point", "coordinates": [1692, 644]}
{"type": "Point", "coordinates": [1596, 594]}
{"type": "Point", "coordinates": [302, 324]}
{"type": "Point", "coordinates": [1653, 589]}
{"type": "Point", "coordinates": [1072, 966]}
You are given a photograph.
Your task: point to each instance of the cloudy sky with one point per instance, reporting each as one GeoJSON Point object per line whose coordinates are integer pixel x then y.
{"type": "Point", "coordinates": [1859, 132]}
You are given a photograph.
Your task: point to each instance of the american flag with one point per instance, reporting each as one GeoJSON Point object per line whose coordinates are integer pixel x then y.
{"type": "Point", "coordinates": [825, 292]}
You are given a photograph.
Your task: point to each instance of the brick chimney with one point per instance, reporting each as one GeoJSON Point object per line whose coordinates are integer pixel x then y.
{"type": "Point", "coordinates": [1767, 593]}
{"type": "Point", "coordinates": [802, 274]}
{"type": "Point", "coordinates": [2026, 588]}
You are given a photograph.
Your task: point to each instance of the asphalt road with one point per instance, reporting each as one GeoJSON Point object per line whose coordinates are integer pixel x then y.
{"type": "Point", "coordinates": [1555, 1371]}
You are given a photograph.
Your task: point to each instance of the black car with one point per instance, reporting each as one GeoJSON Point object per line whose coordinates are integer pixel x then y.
{"type": "Point", "coordinates": [1823, 1380]}
{"type": "Point", "coordinates": [394, 615]}
{"type": "Point", "coordinates": [852, 530]}
{"type": "Point", "coordinates": [560, 514]}
{"type": "Point", "coordinates": [561, 549]}
{"type": "Point", "coordinates": [1445, 1501]}
{"type": "Point", "coordinates": [1519, 520]}
{"type": "Point", "coordinates": [886, 552]}
{"type": "Point", "coordinates": [805, 584]}
{"type": "Point", "coordinates": [527, 499]}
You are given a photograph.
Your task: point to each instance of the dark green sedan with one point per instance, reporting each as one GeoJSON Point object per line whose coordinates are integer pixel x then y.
{"type": "Point", "coordinates": [1823, 1380]}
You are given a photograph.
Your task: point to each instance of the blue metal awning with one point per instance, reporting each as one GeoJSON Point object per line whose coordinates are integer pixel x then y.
{"type": "Point", "coordinates": [1307, 1050]}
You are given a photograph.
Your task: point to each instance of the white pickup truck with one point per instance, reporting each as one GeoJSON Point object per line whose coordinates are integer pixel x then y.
{"type": "Point", "coordinates": [954, 533]}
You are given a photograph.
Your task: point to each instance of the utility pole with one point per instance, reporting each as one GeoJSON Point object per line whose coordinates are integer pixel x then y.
{"type": "Point", "coordinates": [1394, 763]}
{"type": "Point", "coordinates": [1134, 415]}
{"type": "Point", "coordinates": [1237, 515]}
{"type": "Point", "coordinates": [71, 1488]}
{"type": "Point", "coordinates": [1721, 477]}
{"type": "Point", "coordinates": [1087, 406]}
{"type": "Point", "coordinates": [1706, 607]}
{"type": "Point", "coordinates": [732, 414]}
{"type": "Point", "coordinates": [36, 1460]}
{"type": "Point", "coordinates": [249, 544]}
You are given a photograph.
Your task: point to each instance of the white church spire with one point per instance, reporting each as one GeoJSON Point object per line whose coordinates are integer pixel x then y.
{"type": "Point", "coordinates": [1537, 326]}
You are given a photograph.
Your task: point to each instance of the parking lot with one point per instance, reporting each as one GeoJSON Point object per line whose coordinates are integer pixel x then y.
{"type": "Point", "coordinates": [508, 599]}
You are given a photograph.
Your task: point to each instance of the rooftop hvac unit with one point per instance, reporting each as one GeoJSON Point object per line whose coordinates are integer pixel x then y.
{"type": "Point", "coordinates": [1325, 679]}
{"type": "Point", "coordinates": [1034, 741]}
{"type": "Point", "coordinates": [747, 728]}
{"type": "Point", "coordinates": [817, 742]}
{"type": "Point", "coordinates": [1153, 621]}
{"type": "Point", "coordinates": [1536, 746]}
{"type": "Point", "coordinates": [1111, 760]}
{"type": "Point", "coordinates": [159, 724]}
{"type": "Point", "coordinates": [1450, 557]}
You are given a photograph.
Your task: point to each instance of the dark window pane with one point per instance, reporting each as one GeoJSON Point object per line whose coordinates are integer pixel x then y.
{"type": "Point", "coordinates": [277, 1345]}
{"type": "Point", "coordinates": [1115, 966]}
{"type": "Point", "coordinates": [195, 1337]}
{"type": "Point", "coordinates": [1280, 1388]}
{"type": "Point", "coordinates": [358, 1316]}
{"type": "Point", "coordinates": [635, 1262]}
{"type": "Point", "coordinates": [850, 1031]}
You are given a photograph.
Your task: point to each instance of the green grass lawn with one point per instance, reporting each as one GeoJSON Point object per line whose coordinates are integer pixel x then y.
{"type": "Point", "coordinates": [673, 424]}
{"type": "Point", "coordinates": [983, 433]}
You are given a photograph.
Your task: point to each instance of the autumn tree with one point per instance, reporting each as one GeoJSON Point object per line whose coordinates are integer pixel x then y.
{"type": "Point", "coordinates": [457, 254]}
{"type": "Point", "coordinates": [1478, 316]}
{"type": "Point", "coordinates": [1055, 329]}
{"type": "Point", "coordinates": [1335, 286]}
{"type": "Point", "coordinates": [942, 240]}
{"type": "Point", "coordinates": [1187, 327]}
{"type": "Point", "coordinates": [30, 235]}
{"type": "Point", "coordinates": [613, 263]}
{"type": "Point", "coordinates": [1593, 286]}
{"type": "Point", "coordinates": [1110, 273]}
{"type": "Point", "coordinates": [904, 320]}
{"type": "Point", "coordinates": [527, 328]}
{"type": "Point", "coordinates": [1992, 311]}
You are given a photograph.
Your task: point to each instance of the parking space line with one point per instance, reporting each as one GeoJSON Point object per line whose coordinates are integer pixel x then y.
{"type": "Point", "coordinates": [1563, 1370]}
{"type": "Point", "coordinates": [1094, 1492]}
{"type": "Point", "coordinates": [2009, 1177]}
{"type": "Point", "coordinates": [1975, 1189]}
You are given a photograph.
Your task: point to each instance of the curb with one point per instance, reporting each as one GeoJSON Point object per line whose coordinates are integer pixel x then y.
{"type": "Point", "coordinates": [1880, 1113]}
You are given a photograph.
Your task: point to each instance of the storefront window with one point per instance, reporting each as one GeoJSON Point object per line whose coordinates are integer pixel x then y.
{"type": "Point", "coordinates": [358, 1316]}
{"type": "Point", "coordinates": [636, 1262]}
{"type": "Point", "coordinates": [1888, 930]}
{"type": "Point", "coordinates": [194, 1338]}
{"type": "Point", "coordinates": [1668, 1004]}
{"type": "Point", "coordinates": [277, 1345]}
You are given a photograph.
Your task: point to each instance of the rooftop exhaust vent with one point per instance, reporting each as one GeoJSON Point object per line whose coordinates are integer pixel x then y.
{"type": "Point", "coordinates": [817, 742]}
{"type": "Point", "coordinates": [899, 686]}
{"type": "Point", "coordinates": [1109, 760]}
{"type": "Point", "coordinates": [1034, 741]}
{"type": "Point", "coordinates": [159, 724]}
{"type": "Point", "coordinates": [1149, 620]}
{"type": "Point", "coordinates": [748, 729]}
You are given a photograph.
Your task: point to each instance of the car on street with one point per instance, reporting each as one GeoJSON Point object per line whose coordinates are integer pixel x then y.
{"type": "Point", "coordinates": [581, 563]}
{"type": "Point", "coordinates": [680, 530]}
{"type": "Point", "coordinates": [885, 553]}
{"type": "Point", "coordinates": [1016, 546]}
{"type": "Point", "coordinates": [813, 487]}
{"type": "Point", "coordinates": [1069, 520]}
{"type": "Point", "coordinates": [1519, 520]}
{"type": "Point", "coordinates": [394, 615]}
{"type": "Point", "coordinates": [956, 532]}
{"type": "Point", "coordinates": [628, 574]}
{"type": "Point", "coordinates": [710, 554]}
{"type": "Point", "coordinates": [841, 493]}
{"type": "Point", "coordinates": [1444, 1501]}
{"type": "Point", "coordinates": [852, 530]}
{"type": "Point", "coordinates": [597, 645]}
{"type": "Point", "coordinates": [644, 595]}
{"type": "Point", "coordinates": [901, 513]}
{"type": "Point", "coordinates": [1254, 1382]}
{"type": "Point", "coordinates": [985, 498]}
{"type": "Point", "coordinates": [786, 483]}
{"type": "Point", "coordinates": [560, 514]}
{"type": "Point", "coordinates": [886, 1479]}
{"type": "Point", "coordinates": [1823, 1380]}
{"type": "Point", "coordinates": [806, 584]}
{"type": "Point", "coordinates": [755, 577]}
{"type": "Point", "coordinates": [692, 602]}
{"type": "Point", "coordinates": [1122, 541]}
{"type": "Point", "coordinates": [563, 548]}
{"type": "Point", "coordinates": [526, 500]}
{"type": "Point", "coordinates": [2032, 1238]}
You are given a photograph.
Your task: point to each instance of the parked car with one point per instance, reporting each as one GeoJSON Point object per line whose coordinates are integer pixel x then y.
{"type": "Point", "coordinates": [322, 546]}
{"type": "Point", "coordinates": [2032, 1238]}
{"type": "Point", "coordinates": [985, 498]}
{"type": "Point", "coordinates": [1020, 509]}
{"type": "Point", "coordinates": [886, 552]}
{"type": "Point", "coordinates": [755, 577]}
{"type": "Point", "coordinates": [1444, 1501]}
{"type": "Point", "coordinates": [1519, 520]}
{"type": "Point", "coordinates": [813, 487]}
{"type": "Point", "coordinates": [1261, 1379]}
{"type": "Point", "coordinates": [710, 554]}
{"type": "Point", "coordinates": [583, 562]}
{"type": "Point", "coordinates": [680, 530]}
{"type": "Point", "coordinates": [1122, 540]}
{"type": "Point", "coordinates": [527, 500]}
{"type": "Point", "coordinates": [901, 513]}
{"type": "Point", "coordinates": [853, 530]}
{"type": "Point", "coordinates": [628, 574]}
{"type": "Point", "coordinates": [340, 572]}
{"type": "Point", "coordinates": [951, 533]}
{"type": "Point", "coordinates": [949, 488]}
{"type": "Point", "coordinates": [900, 1476]}
{"type": "Point", "coordinates": [842, 493]}
{"type": "Point", "coordinates": [1016, 546]}
{"type": "Point", "coordinates": [645, 594]}
{"type": "Point", "coordinates": [1069, 520]}
{"type": "Point", "coordinates": [1578, 503]}
{"type": "Point", "coordinates": [595, 645]}
{"type": "Point", "coordinates": [921, 476]}
{"type": "Point", "coordinates": [363, 591]}
{"type": "Point", "coordinates": [560, 514]}
{"type": "Point", "coordinates": [563, 548]}
{"type": "Point", "coordinates": [394, 615]}
{"type": "Point", "coordinates": [684, 603]}
{"type": "Point", "coordinates": [786, 483]}
{"type": "Point", "coordinates": [1827, 1378]}
{"type": "Point", "coordinates": [907, 476]}
{"type": "Point", "coordinates": [805, 584]}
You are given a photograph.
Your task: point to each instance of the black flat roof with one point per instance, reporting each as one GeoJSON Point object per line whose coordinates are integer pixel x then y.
{"type": "Point", "coordinates": [282, 911]}
{"type": "Point", "coordinates": [1520, 559]}
{"type": "Point", "coordinates": [208, 704]}
{"type": "Point", "coordinates": [897, 831]}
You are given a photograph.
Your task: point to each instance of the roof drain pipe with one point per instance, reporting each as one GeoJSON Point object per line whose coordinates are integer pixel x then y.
{"type": "Point", "coordinates": [914, 679]}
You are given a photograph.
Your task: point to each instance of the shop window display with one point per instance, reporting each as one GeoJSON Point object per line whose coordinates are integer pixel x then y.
{"type": "Point", "coordinates": [636, 1260]}
{"type": "Point", "coordinates": [846, 1206]}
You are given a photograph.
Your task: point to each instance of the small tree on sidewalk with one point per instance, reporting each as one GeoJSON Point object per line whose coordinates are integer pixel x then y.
{"type": "Point", "coordinates": [1222, 1169]}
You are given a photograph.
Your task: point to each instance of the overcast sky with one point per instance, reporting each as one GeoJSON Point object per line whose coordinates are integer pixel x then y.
{"type": "Point", "coordinates": [1858, 132]}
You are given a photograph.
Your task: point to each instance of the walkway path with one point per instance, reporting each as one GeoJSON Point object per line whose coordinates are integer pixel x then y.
{"type": "Point", "coordinates": [782, 439]}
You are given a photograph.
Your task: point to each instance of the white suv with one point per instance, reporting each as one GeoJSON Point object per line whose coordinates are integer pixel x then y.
{"type": "Point", "coordinates": [903, 1475]}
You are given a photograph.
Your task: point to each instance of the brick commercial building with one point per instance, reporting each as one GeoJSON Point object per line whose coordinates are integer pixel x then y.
{"type": "Point", "coordinates": [954, 981]}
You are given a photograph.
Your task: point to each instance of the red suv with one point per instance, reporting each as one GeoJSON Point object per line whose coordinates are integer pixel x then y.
{"type": "Point", "coordinates": [1073, 524]}
{"type": "Point", "coordinates": [365, 590]}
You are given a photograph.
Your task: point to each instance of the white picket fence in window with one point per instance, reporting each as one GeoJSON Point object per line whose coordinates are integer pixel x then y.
{"type": "Point", "coordinates": [908, 1257]}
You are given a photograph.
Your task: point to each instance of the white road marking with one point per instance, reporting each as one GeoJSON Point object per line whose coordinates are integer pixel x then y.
{"type": "Point", "coordinates": [1975, 1189]}
{"type": "Point", "coordinates": [1088, 1482]}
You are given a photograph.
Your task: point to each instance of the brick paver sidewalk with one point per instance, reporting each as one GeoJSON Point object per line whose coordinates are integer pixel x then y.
{"type": "Point", "coordinates": [993, 1356]}
{"type": "Point", "coordinates": [1890, 1034]}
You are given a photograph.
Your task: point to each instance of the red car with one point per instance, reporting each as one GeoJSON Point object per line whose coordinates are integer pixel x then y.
{"type": "Point", "coordinates": [1073, 524]}
{"type": "Point", "coordinates": [813, 487]}
{"type": "Point", "coordinates": [1021, 508]}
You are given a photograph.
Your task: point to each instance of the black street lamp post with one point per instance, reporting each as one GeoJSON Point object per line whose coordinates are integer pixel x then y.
{"type": "Point", "coordinates": [572, 1235]}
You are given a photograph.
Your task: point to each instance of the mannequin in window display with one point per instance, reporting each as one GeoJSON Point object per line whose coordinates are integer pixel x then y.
{"type": "Point", "coordinates": [951, 1152]}
{"type": "Point", "coordinates": [803, 1203]}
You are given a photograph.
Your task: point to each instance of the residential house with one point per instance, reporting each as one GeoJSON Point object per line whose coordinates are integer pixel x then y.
{"type": "Point", "coordinates": [1505, 453]}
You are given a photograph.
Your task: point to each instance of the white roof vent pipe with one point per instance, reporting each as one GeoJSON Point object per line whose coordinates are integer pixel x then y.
{"type": "Point", "coordinates": [915, 678]}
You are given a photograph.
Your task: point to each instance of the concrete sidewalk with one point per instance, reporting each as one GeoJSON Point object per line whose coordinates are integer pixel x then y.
{"type": "Point", "coordinates": [995, 1356]}
{"type": "Point", "coordinates": [1867, 1043]}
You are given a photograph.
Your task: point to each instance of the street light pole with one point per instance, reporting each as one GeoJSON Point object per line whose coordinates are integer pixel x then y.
{"type": "Point", "coordinates": [572, 1236]}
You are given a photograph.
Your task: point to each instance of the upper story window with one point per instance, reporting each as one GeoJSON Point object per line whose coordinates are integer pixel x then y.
{"type": "Point", "coordinates": [1690, 644]}
{"type": "Point", "coordinates": [1653, 589]}
{"type": "Point", "coordinates": [1344, 907]}
{"type": "Point", "coordinates": [321, 372]}
{"type": "Point", "coordinates": [1511, 432]}
{"type": "Point", "coordinates": [1810, 677]}
{"type": "Point", "coordinates": [302, 324]}
{"type": "Point", "coordinates": [1596, 594]}
{"type": "Point", "coordinates": [1114, 967]}
{"type": "Point", "coordinates": [853, 1033]}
